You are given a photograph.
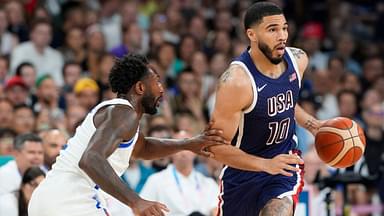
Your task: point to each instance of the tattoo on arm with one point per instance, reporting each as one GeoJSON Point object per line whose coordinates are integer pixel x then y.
{"type": "Point", "coordinates": [297, 52]}
{"type": "Point", "coordinates": [226, 75]}
{"type": "Point", "coordinates": [310, 124]}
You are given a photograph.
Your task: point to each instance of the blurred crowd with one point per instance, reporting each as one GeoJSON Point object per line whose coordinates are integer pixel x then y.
{"type": "Point", "coordinates": [55, 57]}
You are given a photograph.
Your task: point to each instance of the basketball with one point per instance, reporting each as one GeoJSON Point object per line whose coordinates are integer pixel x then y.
{"type": "Point", "coordinates": [340, 142]}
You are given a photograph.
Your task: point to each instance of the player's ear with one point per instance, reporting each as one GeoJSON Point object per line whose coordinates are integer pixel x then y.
{"type": "Point", "coordinates": [251, 33]}
{"type": "Point", "coordinates": [140, 87]}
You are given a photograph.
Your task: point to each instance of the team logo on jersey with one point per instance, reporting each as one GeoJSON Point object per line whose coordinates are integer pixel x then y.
{"type": "Point", "coordinates": [292, 77]}
{"type": "Point", "coordinates": [259, 89]}
{"type": "Point", "coordinates": [280, 103]}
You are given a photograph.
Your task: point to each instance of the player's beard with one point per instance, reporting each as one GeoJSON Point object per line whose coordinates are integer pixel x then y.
{"type": "Point", "coordinates": [268, 53]}
{"type": "Point", "coordinates": [149, 104]}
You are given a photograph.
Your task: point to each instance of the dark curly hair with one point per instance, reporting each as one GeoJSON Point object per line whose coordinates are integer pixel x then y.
{"type": "Point", "coordinates": [127, 71]}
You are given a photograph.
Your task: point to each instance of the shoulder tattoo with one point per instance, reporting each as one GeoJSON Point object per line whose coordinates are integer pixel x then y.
{"type": "Point", "coordinates": [298, 53]}
{"type": "Point", "coordinates": [227, 75]}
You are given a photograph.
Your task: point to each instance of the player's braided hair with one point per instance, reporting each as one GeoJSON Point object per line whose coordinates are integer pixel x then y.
{"type": "Point", "coordinates": [127, 71]}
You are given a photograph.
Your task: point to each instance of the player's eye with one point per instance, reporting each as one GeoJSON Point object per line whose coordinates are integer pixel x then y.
{"type": "Point", "coordinates": [272, 30]}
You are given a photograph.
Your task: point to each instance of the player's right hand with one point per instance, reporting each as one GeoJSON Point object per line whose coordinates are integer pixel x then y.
{"type": "Point", "coordinates": [283, 163]}
{"type": "Point", "coordinates": [149, 208]}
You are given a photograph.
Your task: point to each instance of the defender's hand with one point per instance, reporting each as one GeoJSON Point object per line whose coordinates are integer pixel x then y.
{"type": "Point", "coordinates": [149, 208]}
{"type": "Point", "coordinates": [282, 163]}
{"type": "Point", "coordinates": [209, 137]}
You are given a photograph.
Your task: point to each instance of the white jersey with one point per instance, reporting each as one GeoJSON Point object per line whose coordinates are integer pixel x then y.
{"type": "Point", "coordinates": [68, 190]}
{"type": "Point", "coordinates": [69, 158]}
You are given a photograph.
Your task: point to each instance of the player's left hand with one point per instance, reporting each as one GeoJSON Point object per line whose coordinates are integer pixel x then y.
{"type": "Point", "coordinates": [209, 137]}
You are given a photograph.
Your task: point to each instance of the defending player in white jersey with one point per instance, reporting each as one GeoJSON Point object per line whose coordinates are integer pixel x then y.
{"type": "Point", "coordinates": [100, 149]}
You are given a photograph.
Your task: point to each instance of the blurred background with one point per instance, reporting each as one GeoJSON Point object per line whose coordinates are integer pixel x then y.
{"type": "Point", "coordinates": [55, 57]}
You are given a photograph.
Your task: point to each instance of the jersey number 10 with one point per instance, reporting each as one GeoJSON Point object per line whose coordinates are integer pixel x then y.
{"type": "Point", "coordinates": [278, 131]}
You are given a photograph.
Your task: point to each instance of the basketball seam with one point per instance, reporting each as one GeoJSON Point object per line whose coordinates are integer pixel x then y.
{"type": "Point", "coordinates": [326, 145]}
{"type": "Point", "coordinates": [353, 140]}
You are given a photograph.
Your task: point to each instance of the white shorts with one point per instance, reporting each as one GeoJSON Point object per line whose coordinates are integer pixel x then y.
{"type": "Point", "coordinates": [66, 194]}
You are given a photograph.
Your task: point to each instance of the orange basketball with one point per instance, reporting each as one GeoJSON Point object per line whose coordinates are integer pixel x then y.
{"type": "Point", "coordinates": [340, 142]}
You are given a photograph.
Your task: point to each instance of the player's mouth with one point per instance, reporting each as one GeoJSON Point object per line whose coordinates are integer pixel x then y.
{"type": "Point", "coordinates": [280, 49]}
{"type": "Point", "coordinates": [158, 101]}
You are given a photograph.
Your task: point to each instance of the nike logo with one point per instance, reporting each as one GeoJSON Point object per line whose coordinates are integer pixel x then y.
{"type": "Point", "coordinates": [259, 89]}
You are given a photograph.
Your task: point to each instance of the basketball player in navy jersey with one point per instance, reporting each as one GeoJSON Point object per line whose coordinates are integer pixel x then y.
{"type": "Point", "coordinates": [256, 108]}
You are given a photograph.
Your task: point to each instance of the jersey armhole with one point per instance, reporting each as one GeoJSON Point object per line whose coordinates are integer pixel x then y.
{"type": "Point", "coordinates": [295, 65]}
{"type": "Point", "coordinates": [106, 104]}
{"type": "Point", "coordinates": [254, 100]}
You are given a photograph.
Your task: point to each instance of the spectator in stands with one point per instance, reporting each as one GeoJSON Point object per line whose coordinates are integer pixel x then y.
{"type": "Point", "coordinates": [16, 20]}
{"type": "Point", "coordinates": [71, 73]}
{"type": "Point", "coordinates": [348, 104]}
{"type": "Point", "coordinates": [6, 113]}
{"type": "Point", "coordinates": [37, 51]}
{"type": "Point", "coordinates": [7, 40]}
{"type": "Point", "coordinates": [188, 97]}
{"type": "Point", "coordinates": [373, 117]}
{"type": "Point", "coordinates": [53, 141]}
{"type": "Point", "coordinates": [200, 68]}
{"type": "Point", "coordinates": [16, 91]}
{"type": "Point", "coordinates": [31, 179]}
{"type": "Point", "coordinates": [6, 141]}
{"type": "Point", "coordinates": [47, 96]}
{"type": "Point", "coordinates": [23, 119]}
{"type": "Point", "coordinates": [132, 41]}
{"type": "Point", "coordinates": [373, 68]}
{"type": "Point", "coordinates": [27, 72]}
{"type": "Point", "coordinates": [106, 63]}
{"type": "Point", "coordinates": [87, 92]}
{"type": "Point", "coordinates": [74, 47]}
{"type": "Point", "coordinates": [95, 43]}
{"type": "Point", "coordinates": [351, 82]}
{"type": "Point", "coordinates": [324, 88]}
{"type": "Point", "coordinates": [312, 37]}
{"type": "Point", "coordinates": [183, 189]}
{"type": "Point", "coordinates": [345, 48]}
{"type": "Point", "coordinates": [28, 152]}
{"type": "Point", "coordinates": [4, 67]}
{"type": "Point", "coordinates": [74, 115]}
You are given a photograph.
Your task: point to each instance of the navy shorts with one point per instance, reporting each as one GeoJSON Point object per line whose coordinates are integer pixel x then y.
{"type": "Point", "coordinates": [246, 193]}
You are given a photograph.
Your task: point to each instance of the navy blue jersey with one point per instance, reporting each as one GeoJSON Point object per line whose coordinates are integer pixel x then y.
{"type": "Point", "coordinates": [266, 129]}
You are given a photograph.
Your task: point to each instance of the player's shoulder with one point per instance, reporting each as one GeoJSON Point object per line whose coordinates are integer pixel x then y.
{"type": "Point", "coordinates": [298, 53]}
{"type": "Point", "coordinates": [300, 57]}
{"type": "Point", "coordinates": [234, 76]}
{"type": "Point", "coordinates": [116, 115]}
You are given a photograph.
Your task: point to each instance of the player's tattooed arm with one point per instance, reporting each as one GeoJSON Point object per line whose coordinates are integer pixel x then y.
{"type": "Point", "coordinates": [228, 75]}
{"type": "Point", "coordinates": [307, 121]}
{"type": "Point", "coordinates": [311, 124]}
{"type": "Point", "coordinates": [298, 53]}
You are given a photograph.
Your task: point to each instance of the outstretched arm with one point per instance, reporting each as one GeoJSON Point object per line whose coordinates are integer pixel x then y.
{"type": "Point", "coordinates": [113, 125]}
{"type": "Point", "coordinates": [150, 148]}
{"type": "Point", "coordinates": [234, 94]}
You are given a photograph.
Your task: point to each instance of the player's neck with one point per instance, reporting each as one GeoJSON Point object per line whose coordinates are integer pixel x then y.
{"type": "Point", "coordinates": [264, 65]}
{"type": "Point", "coordinates": [133, 101]}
